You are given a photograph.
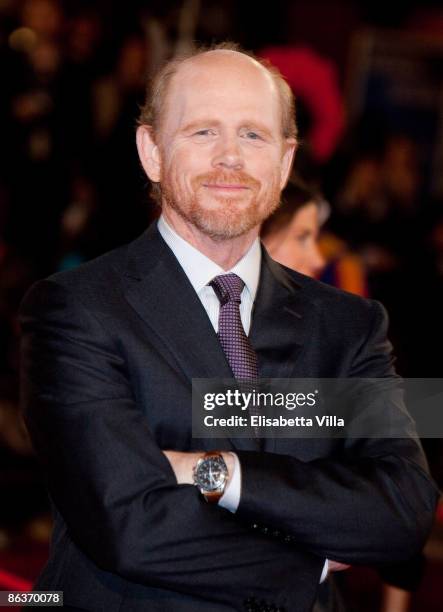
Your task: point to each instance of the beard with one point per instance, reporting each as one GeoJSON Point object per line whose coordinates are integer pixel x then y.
{"type": "Point", "coordinates": [218, 216]}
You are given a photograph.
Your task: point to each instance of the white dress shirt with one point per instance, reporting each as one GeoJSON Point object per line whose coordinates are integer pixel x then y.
{"type": "Point", "coordinates": [200, 270]}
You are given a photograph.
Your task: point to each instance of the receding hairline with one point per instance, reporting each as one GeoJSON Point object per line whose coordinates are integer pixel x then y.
{"type": "Point", "coordinates": [151, 111]}
{"type": "Point", "coordinates": [206, 57]}
{"type": "Point", "coordinates": [240, 56]}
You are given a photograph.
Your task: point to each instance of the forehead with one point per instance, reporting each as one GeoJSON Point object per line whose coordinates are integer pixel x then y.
{"type": "Point", "coordinates": [223, 85]}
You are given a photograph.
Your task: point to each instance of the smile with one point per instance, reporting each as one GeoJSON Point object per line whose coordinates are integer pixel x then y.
{"type": "Point", "coordinates": [226, 187]}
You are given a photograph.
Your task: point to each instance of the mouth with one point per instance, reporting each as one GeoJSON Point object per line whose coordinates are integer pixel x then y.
{"type": "Point", "coordinates": [225, 186]}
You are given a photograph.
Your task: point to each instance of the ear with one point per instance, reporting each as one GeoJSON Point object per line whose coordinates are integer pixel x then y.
{"type": "Point", "coordinates": [148, 153]}
{"type": "Point", "coordinates": [289, 148]}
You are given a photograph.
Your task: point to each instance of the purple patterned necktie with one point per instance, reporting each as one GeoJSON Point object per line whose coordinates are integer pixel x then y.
{"type": "Point", "coordinates": [234, 341]}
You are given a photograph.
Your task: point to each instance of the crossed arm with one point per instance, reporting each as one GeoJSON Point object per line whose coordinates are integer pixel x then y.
{"type": "Point", "coordinates": [372, 505]}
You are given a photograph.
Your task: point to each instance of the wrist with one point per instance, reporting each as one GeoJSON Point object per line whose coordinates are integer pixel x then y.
{"type": "Point", "coordinates": [211, 474]}
{"type": "Point", "coordinates": [230, 462]}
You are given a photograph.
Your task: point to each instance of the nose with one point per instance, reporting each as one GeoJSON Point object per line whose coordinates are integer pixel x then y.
{"type": "Point", "coordinates": [228, 154]}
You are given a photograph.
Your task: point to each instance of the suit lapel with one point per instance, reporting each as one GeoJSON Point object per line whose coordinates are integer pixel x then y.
{"type": "Point", "coordinates": [160, 292]}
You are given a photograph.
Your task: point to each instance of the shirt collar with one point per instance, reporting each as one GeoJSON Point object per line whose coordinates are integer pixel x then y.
{"type": "Point", "coordinates": [201, 270]}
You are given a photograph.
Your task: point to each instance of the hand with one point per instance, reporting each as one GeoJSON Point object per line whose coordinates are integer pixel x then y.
{"type": "Point", "coordinates": [183, 464]}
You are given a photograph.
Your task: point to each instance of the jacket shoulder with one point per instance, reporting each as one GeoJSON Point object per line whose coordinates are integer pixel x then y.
{"type": "Point", "coordinates": [94, 283]}
{"type": "Point", "coordinates": [96, 271]}
{"type": "Point", "coordinates": [334, 302]}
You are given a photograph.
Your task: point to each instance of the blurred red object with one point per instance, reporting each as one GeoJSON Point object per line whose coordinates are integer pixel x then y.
{"type": "Point", "coordinates": [11, 582]}
{"type": "Point", "coordinates": [314, 79]}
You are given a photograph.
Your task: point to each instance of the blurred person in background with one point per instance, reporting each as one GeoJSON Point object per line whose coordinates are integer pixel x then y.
{"type": "Point", "coordinates": [290, 234]}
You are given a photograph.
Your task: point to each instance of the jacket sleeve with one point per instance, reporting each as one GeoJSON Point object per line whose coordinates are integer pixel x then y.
{"type": "Point", "coordinates": [110, 481]}
{"type": "Point", "coordinates": [373, 503]}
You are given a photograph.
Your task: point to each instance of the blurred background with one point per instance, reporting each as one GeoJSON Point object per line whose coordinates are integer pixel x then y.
{"type": "Point", "coordinates": [368, 78]}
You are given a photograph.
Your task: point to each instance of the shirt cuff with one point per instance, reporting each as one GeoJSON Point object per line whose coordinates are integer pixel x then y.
{"type": "Point", "coordinates": [324, 573]}
{"type": "Point", "coordinates": [230, 499]}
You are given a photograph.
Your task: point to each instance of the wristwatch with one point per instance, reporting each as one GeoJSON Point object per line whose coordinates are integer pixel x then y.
{"type": "Point", "coordinates": [211, 475]}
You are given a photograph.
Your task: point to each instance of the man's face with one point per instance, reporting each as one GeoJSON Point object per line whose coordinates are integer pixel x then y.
{"type": "Point", "coordinates": [223, 161]}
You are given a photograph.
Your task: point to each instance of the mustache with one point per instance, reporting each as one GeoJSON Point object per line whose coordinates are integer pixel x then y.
{"type": "Point", "coordinates": [229, 178]}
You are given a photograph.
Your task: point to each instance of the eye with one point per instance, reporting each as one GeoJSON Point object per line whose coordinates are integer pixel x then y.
{"type": "Point", "coordinates": [206, 132]}
{"type": "Point", "coordinates": [302, 238]}
{"type": "Point", "coordinates": [253, 136]}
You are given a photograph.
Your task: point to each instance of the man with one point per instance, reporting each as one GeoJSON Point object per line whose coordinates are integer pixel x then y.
{"type": "Point", "coordinates": [110, 350]}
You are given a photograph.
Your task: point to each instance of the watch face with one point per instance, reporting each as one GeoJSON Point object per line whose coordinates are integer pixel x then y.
{"type": "Point", "coordinates": [211, 474]}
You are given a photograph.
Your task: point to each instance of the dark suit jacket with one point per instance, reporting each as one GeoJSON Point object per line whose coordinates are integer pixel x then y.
{"type": "Point", "coordinates": [109, 351]}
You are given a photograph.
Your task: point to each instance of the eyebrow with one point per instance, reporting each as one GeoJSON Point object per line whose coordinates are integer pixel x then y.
{"type": "Point", "coordinates": [198, 123]}
{"type": "Point", "coordinates": [249, 125]}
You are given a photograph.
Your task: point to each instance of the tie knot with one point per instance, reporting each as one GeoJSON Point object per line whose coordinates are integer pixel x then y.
{"type": "Point", "coordinates": [228, 287]}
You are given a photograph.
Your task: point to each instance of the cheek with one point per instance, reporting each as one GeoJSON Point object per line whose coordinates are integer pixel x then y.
{"type": "Point", "coordinates": [289, 254]}
{"type": "Point", "coordinates": [265, 167]}
{"type": "Point", "coordinates": [297, 258]}
{"type": "Point", "coordinates": [178, 170]}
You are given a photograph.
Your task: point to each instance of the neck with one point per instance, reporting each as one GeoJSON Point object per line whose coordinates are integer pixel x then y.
{"type": "Point", "coordinates": [225, 253]}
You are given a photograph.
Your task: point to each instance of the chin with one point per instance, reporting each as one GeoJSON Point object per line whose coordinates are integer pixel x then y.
{"type": "Point", "coordinates": [226, 204]}
{"type": "Point", "coordinates": [307, 272]}
{"type": "Point", "coordinates": [225, 229]}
